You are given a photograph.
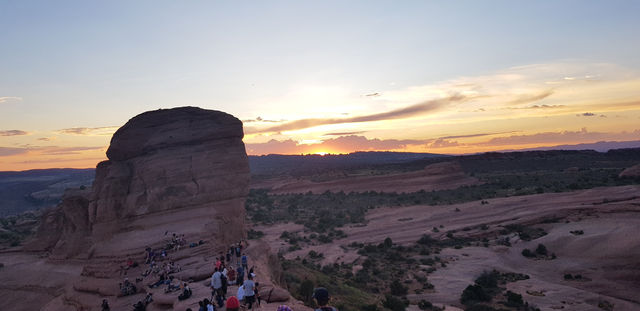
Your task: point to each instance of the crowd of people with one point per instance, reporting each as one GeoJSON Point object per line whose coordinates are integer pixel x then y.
{"type": "Point", "coordinates": [230, 268]}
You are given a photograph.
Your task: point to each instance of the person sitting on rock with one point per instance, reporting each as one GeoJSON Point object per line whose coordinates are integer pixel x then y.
{"type": "Point", "coordinates": [139, 306]}
{"type": "Point", "coordinates": [162, 279]}
{"type": "Point", "coordinates": [321, 295]}
{"type": "Point", "coordinates": [171, 287]}
{"type": "Point", "coordinates": [186, 292]}
{"type": "Point", "coordinates": [127, 288]}
{"type": "Point", "coordinates": [283, 308]}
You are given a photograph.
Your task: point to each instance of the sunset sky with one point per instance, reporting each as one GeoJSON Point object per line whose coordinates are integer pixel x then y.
{"type": "Point", "coordinates": [315, 77]}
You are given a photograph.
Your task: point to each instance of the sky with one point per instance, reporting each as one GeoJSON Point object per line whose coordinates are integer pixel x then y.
{"type": "Point", "coordinates": [451, 77]}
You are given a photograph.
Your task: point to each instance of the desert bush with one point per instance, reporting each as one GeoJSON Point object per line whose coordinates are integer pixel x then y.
{"type": "Point", "coordinates": [514, 299]}
{"type": "Point", "coordinates": [397, 289]}
{"type": "Point", "coordinates": [427, 240]}
{"type": "Point", "coordinates": [527, 253]}
{"type": "Point", "coordinates": [253, 234]}
{"type": "Point", "coordinates": [541, 250]}
{"type": "Point", "coordinates": [388, 243]}
{"type": "Point", "coordinates": [393, 303]}
{"type": "Point", "coordinates": [474, 293]}
{"type": "Point", "coordinates": [488, 279]}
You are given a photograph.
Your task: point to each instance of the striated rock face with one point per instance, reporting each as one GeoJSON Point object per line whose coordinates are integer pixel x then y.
{"type": "Point", "coordinates": [179, 170]}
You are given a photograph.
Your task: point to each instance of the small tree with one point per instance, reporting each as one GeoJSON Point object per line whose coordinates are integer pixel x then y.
{"type": "Point", "coordinates": [488, 279]}
{"type": "Point", "coordinates": [393, 303]}
{"type": "Point", "coordinates": [527, 253]}
{"type": "Point", "coordinates": [541, 250]}
{"type": "Point", "coordinates": [397, 289]}
{"type": "Point", "coordinates": [474, 293]}
{"type": "Point", "coordinates": [388, 243]}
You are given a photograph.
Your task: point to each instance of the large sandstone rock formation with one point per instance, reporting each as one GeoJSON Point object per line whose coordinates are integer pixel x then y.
{"type": "Point", "coordinates": [179, 170]}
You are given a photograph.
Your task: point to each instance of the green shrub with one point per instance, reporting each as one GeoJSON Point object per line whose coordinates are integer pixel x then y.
{"type": "Point", "coordinates": [541, 250]}
{"type": "Point", "coordinates": [488, 279]}
{"type": "Point", "coordinates": [388, 243]}
{"type": "Point", "coordinates": [397, 289]}
{"type": "Point", "coordinates": [473, 294]}
{"type": "Point", "coordinates": [514, 300]}
{"type": "Point", "coordinates": [393, 303]}
{"type": "Point", "coordinates": [527, 253]}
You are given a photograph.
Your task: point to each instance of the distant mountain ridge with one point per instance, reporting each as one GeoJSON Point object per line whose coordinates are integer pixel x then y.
{"type": "Point", "coordinates": [601, 146]}
{"type": "Point", "coordinates": [22, 191]}
{"type": "Point", "coordinates": [292, 164]}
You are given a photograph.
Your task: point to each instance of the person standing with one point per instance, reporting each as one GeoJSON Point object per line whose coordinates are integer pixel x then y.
{"type": "Point", "coordinates": [233, 304]}
{"type": "Point", "coordinates": [238, 253]}
{"type": "Point", "coordinates": [249, 292]}
{"type": "Point", "coordinates": [216, 282]}
{"type": "Point", "coordinates": [321, 295]}
{"type": "Point", "coordinates": [240, 276]}
{"type": "Point", "coordinates": [245, 262]}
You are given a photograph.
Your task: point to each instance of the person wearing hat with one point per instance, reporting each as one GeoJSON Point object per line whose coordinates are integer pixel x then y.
{"type": "Point", "coordinates": [321, 296]}
{"type": "Point", "coordinates": [233, 304]}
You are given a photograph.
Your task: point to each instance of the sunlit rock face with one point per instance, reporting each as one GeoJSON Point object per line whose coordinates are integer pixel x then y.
{"type": "Point", "coordinates": [172, 170]}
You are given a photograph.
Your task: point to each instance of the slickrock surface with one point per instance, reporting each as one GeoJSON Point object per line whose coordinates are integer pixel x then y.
{"type": "Point", "coordinates": [633, 171]}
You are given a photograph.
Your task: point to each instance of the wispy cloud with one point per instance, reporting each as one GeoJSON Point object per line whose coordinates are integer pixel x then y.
{"type": "Point", "coordinates": [539, 107]}
{"type": "Point", "coordinates": [89, 131]}
{"type": "Point", "coordinates": [530, 98]}
{"type": "Point", "coordinates": [586, 114]}
{"type": "Point", "coordinates": [344, 133]}
{"type": "Point", "coordinates": [474, 135]}
{"type": "Point", "coordinates": [13, 133]}
{"type": "Point", "coordinates": [260, 119]}
{"type": "Point", "coordinates": [67, 150]}
{"type": "Point", "coordinates": [10, 99]}
{"type": "Point", "coordinates": [406, 112]}
{"type": "Point", "coordinates": [7, 151]}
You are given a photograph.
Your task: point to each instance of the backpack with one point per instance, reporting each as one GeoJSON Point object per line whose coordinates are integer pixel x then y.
{"type": "Point", "coordinates": [223, 279]}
